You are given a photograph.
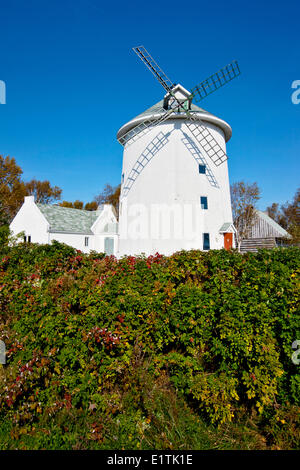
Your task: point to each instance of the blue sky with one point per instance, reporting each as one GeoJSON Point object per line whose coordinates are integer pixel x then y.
{"type": "Point", "coordinates": [72, 80]}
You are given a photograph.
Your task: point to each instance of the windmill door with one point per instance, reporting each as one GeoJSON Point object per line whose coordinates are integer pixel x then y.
{"type": "Point", "coordinates": [109, 246]}
{"type": "Point", "coordinates": [228, 241]}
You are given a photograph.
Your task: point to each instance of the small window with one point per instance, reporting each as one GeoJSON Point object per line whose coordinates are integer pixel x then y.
{"type": "Point", "coordinates": [86, 241]}
{"type": "Point", "coordinates": [203, 202]}
{"type": "Point", "coordinates": [202, 169]}
{"type": "Point", "coordinates": [122, 180]}
{"type": "Point", "coordinates": [25, 239]}
{"type": "Point", "coordinates": [29, 238]}
{"type": "Point", "coordinates": [206, 244]}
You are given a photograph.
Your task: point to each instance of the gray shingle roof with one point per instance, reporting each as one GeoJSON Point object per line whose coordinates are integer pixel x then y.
{"type": "Point", "coordinates": [226, 226]}
{"type": "Point", "coordinates": [65, 219]}
{"type": "Point", "coordinates": [156, 108]}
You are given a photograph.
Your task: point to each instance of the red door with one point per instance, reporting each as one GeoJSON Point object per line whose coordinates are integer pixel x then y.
{"type": "Point", "coordinates": [228, 241]}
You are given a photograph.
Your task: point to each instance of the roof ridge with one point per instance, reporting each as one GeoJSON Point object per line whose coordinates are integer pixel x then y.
{"type": "Point", "coordinates": [273, 223]}
{"type": "Point", "coordinates": [65, 208]}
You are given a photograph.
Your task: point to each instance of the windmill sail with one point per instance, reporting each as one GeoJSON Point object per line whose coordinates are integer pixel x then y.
{"type": "Point", "coordinates": [145, 126]}
{"type": "Point", "coordinates": [216, 81]}
{"type": "Point", "coordinates": [199, 92]}
{"type": "Point", "coordinates": [152, 148]}
{"type": "Point", "coordinates": [211, 147]}
{"type": "Point", "coordinates": [154, 68]}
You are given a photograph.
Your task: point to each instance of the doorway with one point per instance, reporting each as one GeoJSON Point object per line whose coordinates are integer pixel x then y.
{"type": "Point", "coordinates": [109, 246]}
{"type": "Point", "coordinates": [228, 237]}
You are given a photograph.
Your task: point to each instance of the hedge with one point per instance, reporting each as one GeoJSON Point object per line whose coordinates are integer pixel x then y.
{"type": "Point", "coordinates": [86, 335]}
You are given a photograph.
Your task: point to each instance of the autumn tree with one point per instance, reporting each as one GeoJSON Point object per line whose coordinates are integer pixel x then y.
{"type": "Point", "coordinates": [42, 191]}
{"type": "Point", "coordinates": [288, 216]}
{"type": "Point", "coordinates": [110, 195]}
{"type": "Point", "coordinates": [244, 197]}
{"type": "Point", "coordinates": [276, 214]}
{"type": "Point", "coordinates": [66, 204]}
{"type": "Point", "coordinates": [13, 190]}
{"type": "Point", "coordinates": [89, 206]}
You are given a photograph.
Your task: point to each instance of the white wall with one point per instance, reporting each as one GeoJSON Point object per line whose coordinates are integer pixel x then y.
{"type": "Point", "coordinates": [30, 220]}
{"type": "Point", "coordinates": [96, 242]}
{"type": "Point", "coordinates": [172, 177]}
{"type": "Point", "coordinates": [75, 240]}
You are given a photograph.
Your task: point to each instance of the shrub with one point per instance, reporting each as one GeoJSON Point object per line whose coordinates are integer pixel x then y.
{"type": "Point", "coordinates": [88, 338]}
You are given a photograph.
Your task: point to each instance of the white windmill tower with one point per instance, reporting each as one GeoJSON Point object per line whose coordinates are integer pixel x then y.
{"type": "Point", "coordinates": [175, 188]}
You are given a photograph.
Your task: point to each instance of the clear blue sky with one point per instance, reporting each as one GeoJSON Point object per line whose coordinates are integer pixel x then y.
{"type": "Point", "coordinates": [72, 80]}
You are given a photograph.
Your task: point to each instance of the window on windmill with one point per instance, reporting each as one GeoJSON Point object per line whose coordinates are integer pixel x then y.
{"type": "Point", "coordinates": [203, 202]}
{"type": "Point", "coordinates": [202, 169]}
{"type": "Point", "coordinates": [86, 241]}
{"type": "Point", "coordinates": [172, 103]}
{"type": "Point", "coordinates": [27, 239]}
{"type": "Point", "coordinates": [206, 244]}
{"type": "Point", "coordinates": [122, 180]}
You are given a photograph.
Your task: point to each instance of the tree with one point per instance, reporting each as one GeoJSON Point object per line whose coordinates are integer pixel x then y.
{"type": "Point", "coordinates": [91, 206]}
{"type": "Point", "coordinates": [110, 195]}
{"type": "Point", "coordinates": [275, 212]}
{"type": "Point", "coordinates": [291, 213]}
{"type": "Point", "coordinates": [78, 204]}
{"type": "Point", "coordinates": [66, 204]}
{"type": "Point", "coordinates": [288, 216]}
{"type": "Point", "coordinates": [42, 191]}
{"type": "Point", "coordinates": [244, 197]}
{"type": "Point", "coordinates": [12, 189]}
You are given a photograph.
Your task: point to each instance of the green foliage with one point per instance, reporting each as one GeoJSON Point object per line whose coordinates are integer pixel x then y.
{"type": "Point", "coordinates": [4, 235]}
{"type": "Point", "coordinates": [151, 352]}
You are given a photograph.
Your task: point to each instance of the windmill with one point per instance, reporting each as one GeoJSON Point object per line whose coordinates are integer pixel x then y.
{"type": "Point", "coordinates": [198, 93]}
{"type": "Point", "coordinates": [199, 138]}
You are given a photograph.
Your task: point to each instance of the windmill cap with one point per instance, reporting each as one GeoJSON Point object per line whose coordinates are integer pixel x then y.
{"type": "Point", "coordinates": [155, 112]}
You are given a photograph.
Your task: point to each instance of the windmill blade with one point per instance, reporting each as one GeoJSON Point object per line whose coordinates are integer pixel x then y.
{"type": "Point", "coordinates": [216, 81]}
{"type": "Point", "coordinates": [145, 126]}
{"type": "Point", "coordinates": [154, 68]}
{"type": "Point", "coordinates": [152, 148]}
{"type": "Point", "coordinates": [195, 152]}
{"type": "Point", "coordinates": [206, 140]}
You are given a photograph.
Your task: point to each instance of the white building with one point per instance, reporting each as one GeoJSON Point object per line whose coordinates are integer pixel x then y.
{"type": "Point", "coordinates": [84, 230]}
{"type": "Point", "coordinates": [173, 196]}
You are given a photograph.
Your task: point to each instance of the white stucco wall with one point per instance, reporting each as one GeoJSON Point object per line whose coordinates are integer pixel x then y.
{"type": "Point", "coordinates": [76, 240]}
{"type": "Point", "coordinates": [30, 220]}
{"type": "Point", "coordinates": [96, 242]}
